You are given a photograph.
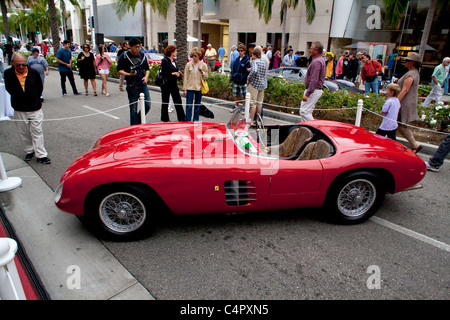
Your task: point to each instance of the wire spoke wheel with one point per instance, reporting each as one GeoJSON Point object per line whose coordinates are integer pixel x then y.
{"type": "Point", "coordinates": [356, 198]}
{"type": "Point", "coordinates": [122, 212]}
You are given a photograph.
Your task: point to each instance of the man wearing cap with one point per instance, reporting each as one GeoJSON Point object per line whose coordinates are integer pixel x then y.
{"type": "Point", "coordinates": [210, 56]}
{"type": "Point", "coordinates": [314, 79]}
{"type": "Point", "coordinates": [352, 67]}
{"type": "Point", "coordinates": [438, 78]}
{"type": "Point", "coordinates": [39, 64]}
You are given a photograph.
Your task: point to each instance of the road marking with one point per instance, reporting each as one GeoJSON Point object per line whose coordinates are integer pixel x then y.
{"type": "Point", "coordinates": [413, 234]}
{"type": "Point", "coordinates": [102, 112]}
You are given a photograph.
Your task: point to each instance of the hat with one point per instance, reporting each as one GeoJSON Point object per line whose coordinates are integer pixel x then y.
{"type": "Point", "coordinates": [350, 53]}
{"type": "Point", "coordinates": [330, 54]}
{"type": "Point", "coordinates": [413, 56]}
{"type": "Point", "coordinates": [209, 45]}
{"type": "Point", "coordinates": [359, 53]}
{"type": "Point", "coordinates": [34, 50]}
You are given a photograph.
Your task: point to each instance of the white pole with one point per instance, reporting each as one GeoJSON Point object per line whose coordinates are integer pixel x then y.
{"type": "Point", "coordinates": [10, 285]}
{"type": "Point", "coordinates": [141, 106]}
{"type": "Point", "coordinates": [6, 183]}
{"type": "Point", "coordinates": [247, 107]}
{"type": "Point", "coordinates": [359, 113]}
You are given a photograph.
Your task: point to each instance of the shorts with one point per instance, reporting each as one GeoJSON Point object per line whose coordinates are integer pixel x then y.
{"type": "Point", "coordinates": [239, 90]}
{"type": "Point", "coordinates": [211, 63]}
{"type": "Point", "coordinates": [103, 71]}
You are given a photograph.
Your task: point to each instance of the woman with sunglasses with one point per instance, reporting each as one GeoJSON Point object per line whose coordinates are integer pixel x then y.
{"type": "Point", "coordinates": [103, 62]}
{"type": "Point", "coordinates": [87, 68]}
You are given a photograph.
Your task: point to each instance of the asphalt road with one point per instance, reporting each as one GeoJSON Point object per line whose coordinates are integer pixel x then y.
{"type": "Point", "coordinates": [401, 253]}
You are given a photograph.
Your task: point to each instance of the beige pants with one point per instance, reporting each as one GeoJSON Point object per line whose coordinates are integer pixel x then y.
{"type": "Point", "coordinates": [256, 99]}
{"type": "Point", "coordinates": [30, 131]}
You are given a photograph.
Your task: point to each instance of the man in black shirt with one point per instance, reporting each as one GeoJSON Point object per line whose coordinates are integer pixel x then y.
{"type": "Point", "coordinates": [125, 47]}
{"type": "Point", "coordinates": [134, 66]}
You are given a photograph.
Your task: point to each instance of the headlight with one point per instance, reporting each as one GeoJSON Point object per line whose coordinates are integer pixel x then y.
{"type": "Point", "coordinates": [58, 192]}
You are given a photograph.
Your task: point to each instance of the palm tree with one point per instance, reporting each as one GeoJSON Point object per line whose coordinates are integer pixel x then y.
{"type": "Point", "coordinates": [265, 11]}
{"type": "Point", "coordinates": [3, 4]}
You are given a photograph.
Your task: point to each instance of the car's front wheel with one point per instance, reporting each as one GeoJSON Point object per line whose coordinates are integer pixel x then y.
{"type": "Point", "coordinates": [355, 197]}
{"type": "Point", "coordinates": [121, 212]}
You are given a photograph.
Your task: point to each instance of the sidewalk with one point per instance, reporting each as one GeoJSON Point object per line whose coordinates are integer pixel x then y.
{"type": "Point", "coordinates": [57, 244]}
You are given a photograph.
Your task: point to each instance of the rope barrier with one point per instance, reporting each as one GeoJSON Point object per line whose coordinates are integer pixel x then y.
{"type": "Point", "coordinates": [220, 102]}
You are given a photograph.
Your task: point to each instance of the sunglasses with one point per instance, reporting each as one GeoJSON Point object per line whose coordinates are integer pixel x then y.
{"type": "Point", "coordinates": [86, 48]}
{"type": "Point", "coordinates": [241, 50]}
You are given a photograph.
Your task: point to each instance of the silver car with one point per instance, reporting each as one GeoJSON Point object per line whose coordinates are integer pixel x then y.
{"type": "Point", "coordinates": [293, 74]}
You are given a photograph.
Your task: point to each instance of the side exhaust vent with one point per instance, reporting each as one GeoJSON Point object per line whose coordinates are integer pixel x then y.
{"type": "Point", "coordinates": [239, 193]}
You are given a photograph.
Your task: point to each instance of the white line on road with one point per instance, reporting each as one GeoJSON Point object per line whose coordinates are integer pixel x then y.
{"type": "Point", "coordinates": [413, 234]}
{"type": "Point", "coordinates": [102, 112]}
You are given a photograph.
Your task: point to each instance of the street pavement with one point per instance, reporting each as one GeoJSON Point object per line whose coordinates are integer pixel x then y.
{"type": "Point", "coordinates": [219, 255]}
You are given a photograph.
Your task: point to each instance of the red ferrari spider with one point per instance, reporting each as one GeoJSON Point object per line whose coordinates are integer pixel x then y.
{"type": "Point", "coordinates": [133, 173]}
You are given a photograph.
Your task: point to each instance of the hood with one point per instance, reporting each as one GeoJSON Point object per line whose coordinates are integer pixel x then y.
{"type": "Point", "coordinates": [170, 141]}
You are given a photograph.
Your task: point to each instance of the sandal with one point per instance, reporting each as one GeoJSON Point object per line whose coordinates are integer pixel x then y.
{"type": "Point", "coordinates": [107, 94]}
{"type": "Point", "coordinates": [86, 94]}
{"type": "Point", "coordinates": [95, 93]}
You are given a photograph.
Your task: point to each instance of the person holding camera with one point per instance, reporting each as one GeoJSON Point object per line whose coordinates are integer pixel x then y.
{"type": "Point", "coordinates": [134, 66]}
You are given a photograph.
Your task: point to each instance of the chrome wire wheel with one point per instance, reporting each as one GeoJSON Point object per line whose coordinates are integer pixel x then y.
{"type": "Point", "coordinates": [356, 198]}
{"type": "Point", "coordinates": [122, 212]}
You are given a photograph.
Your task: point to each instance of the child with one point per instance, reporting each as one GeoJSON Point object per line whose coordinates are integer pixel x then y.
{"type": "Point", "coordinates": [390, 112]}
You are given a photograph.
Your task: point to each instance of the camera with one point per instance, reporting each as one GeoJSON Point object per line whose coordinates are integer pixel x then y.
{"type": "Point", "coordinates": [133, 69]}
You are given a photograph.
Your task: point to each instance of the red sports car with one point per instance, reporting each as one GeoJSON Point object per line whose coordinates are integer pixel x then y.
{"type": "Point", "coordinates": [133, 173]}
{"type": "Point", "coordinates": [154, 58]}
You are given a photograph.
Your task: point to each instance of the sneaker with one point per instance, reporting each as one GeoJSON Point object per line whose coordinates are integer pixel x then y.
{"type": "Point", "coordinates": [29, 156]}
{"type": "Point", "coordinates": [44, 160]}
{"type": "Point", "coordinates": [432, 168]}
{"type": "Point", "coordinates": [77, 93]}
{"type": "Point", "coordinates": [64, 94]}
{"type": "Point", "coordinates": [234, 109]}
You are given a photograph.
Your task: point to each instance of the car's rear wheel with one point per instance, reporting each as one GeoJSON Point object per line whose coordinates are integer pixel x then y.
{"type": "Point", "coordinates": [120, 212]}
{"type": "Point", "coordinates": [355, 197]}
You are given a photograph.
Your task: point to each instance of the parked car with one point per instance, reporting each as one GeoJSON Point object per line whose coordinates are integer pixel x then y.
{"type": "Point", "coordinates": [154, 58]}
{"type": "Point", "coordinates": [347, 85]}
{"type": "Point", "coordinates": [293, 74]}
{"type": "Point", "coordinates": [134, 173]}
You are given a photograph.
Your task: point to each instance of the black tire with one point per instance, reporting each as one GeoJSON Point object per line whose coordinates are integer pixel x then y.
{"type": "Point", "coordinates": [355, 197]}
{"type": "Point", "coordinates": [120, 212]}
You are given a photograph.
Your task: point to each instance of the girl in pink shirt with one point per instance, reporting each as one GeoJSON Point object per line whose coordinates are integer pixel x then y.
{"type": "Point", "coordinates": [103, 62]}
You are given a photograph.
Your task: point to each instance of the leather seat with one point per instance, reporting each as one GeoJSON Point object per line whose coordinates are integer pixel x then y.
{"type": "Point", "coordinates": [315, 150]}
{"type": "Point", "coordinates": [292, 144]}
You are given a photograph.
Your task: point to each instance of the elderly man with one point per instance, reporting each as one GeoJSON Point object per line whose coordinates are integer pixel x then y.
{"type": "Point", "coordinates": [210, 56]}
{"type": "Point", "coordinates": [25, 87]}
{"type": "Point", "coordinates": [438, 78]}
{"type": "Point", "coordinates": [315, 77]}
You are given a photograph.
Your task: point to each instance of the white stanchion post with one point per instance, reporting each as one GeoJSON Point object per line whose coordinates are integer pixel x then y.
{"type": "Point", "coordinates": [359, 113]}
{"type": "Point", "coordinates": [141, 106]}
{"type": "Point", "coordinates": [6, 183]}
{"type": "Point", "coordinates": [10, 286]}
{"type": "Point", "coordinates": [247, 107]}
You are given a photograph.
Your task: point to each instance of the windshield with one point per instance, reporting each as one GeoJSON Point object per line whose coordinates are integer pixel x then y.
{"type": "Point", "coordinates": [247, 138]}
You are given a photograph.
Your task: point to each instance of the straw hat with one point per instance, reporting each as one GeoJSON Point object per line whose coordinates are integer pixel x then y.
{"type": "Point", "coordinates": [413, 56]}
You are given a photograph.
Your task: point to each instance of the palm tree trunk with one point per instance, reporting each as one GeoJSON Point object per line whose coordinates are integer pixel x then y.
{"type": "Point", "coordinates": [199, 26]}
{"type": "Point", "coordinates": [427, 28]}
{"type": "Point", "coordinates": [181, 33]}
{"type": "Point", "coordinates": [5, 17]}
{"type": "Point", "coordinates": [54, 25]}
{"type": "Point", "coordinates": [283, 34]}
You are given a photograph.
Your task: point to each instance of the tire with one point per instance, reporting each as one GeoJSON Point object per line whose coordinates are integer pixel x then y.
{"type": "Point", "coordinates": [120, 212]}
{"type": "Point", "coordinates": [355, 197]}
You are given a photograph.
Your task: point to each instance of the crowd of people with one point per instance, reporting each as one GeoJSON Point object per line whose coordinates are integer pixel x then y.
{"type": "Point", "coordinates": [25, 82]}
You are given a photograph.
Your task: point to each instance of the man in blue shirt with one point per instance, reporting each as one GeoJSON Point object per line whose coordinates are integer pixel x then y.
{"type": "Point", "coordinates": [64, 58]}
{"type": "Point", "coordinates": [221, 53]}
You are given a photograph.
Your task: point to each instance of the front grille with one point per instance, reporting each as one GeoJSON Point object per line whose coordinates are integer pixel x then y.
{"type": "Point", "coordinates": [239, 193]}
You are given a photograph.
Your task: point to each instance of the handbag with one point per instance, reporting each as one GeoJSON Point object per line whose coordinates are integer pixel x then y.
{"type": "Point", "coordinates": [205, 87]}
{"type": "Point", "coordinates": [160, 81]}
